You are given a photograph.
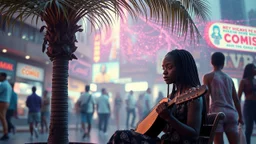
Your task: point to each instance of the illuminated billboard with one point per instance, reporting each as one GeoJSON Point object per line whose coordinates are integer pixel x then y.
{"type": "Point", "coordinates": [105, 72]}
{"type": "Point", "coordinates": [231, 37]}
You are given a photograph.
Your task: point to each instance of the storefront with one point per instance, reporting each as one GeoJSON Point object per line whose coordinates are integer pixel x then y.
{"type": "Point", "coordinates": [8, 66]}
{"type": "Point", "coordinates": [79, 76]}
{"type": "Point", "coordinates": [75, 88]}
{"type": "Point", "coordinates": [27, 76]}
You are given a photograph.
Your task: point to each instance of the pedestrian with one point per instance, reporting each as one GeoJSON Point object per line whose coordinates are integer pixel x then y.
{"type": "Point", "coordinates": [12, 111]}
{"type": "Point", "coordinates": [86, 103]}
{"type": "Point", "coordinates": [45, 112]}
{"type": "Point", "coordinates": [33, 103]}
{"type": "Point", "coordinates": [104, 111]}
{"type": "Point", "coordinates": [5, 96]}
{"type": "Point", "coordinates": [223, 99]}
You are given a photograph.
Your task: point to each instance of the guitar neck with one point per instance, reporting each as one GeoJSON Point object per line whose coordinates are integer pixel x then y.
{"type": "Point", "coordinates": [170, 103]}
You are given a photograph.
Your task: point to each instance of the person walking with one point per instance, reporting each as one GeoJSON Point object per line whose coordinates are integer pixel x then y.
{"type": "Point", "coordinates": [130, 109]}
{"type": "Point", "coordinates": [5, 96]}
{"type": "Point", "coordinates": [117, 107]}
{"type": "Point", "coordinates": [103, 109]}
{"type": "Point", "coordinates": [86, 103]}
{"type": "Point", "coordinates": [224, 99]}
{"type": "Point", "coordinates": [33, 103]}
{"type": "Point", "coordinates": [248, 87]}
{"type": "Point", "coordinates": [45, 112]}
{"type": "Point", "coordinates": [12, 111]}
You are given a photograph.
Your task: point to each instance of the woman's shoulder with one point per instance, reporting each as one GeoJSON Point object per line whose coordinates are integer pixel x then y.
{"type": "Point", "coordinates": [197, 102]}
{"type": "Point", "coordinates": [244, 81]}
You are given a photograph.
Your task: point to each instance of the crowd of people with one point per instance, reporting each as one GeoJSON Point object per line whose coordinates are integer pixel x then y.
{"type": "Point", "coordinates": [39, 109]}
{"type": "Point", "coordinates": [183, 121]}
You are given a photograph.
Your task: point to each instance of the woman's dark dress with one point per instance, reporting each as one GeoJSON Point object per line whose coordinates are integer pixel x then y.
{"type": "Point", "coordinates": [171, 137]}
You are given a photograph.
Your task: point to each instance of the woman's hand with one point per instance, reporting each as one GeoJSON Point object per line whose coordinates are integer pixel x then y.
{"type": "Point", "coordinates": [240, 121]}
{"type": "Point", "coordinates": [163, 111]}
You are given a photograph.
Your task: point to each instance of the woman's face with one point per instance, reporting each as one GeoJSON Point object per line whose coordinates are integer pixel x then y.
{"type": "Point", "coordinates": [169, 70]}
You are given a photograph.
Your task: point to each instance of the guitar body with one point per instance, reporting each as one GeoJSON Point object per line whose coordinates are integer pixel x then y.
{"type": "Point", "coordinates": [152, 124]}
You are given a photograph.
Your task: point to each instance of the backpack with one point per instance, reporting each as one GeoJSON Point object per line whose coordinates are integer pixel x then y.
{"type": "Point", "coordinates": [84, 106]}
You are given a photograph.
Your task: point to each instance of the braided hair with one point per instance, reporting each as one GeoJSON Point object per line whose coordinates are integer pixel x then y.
{"type": "Point", "coordinates": [186, 72]}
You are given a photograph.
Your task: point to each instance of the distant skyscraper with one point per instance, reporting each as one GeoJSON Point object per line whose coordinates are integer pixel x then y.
{"type": "Point", "coordinates": [252, 17]}
{"type": "Point", "coordinates": [233, 10]}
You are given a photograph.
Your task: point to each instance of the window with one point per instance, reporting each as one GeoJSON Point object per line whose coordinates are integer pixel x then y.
{"type": "Point", "coordinates": [39, 37]}
{"type": "Point", "coordinates": [14, 29]}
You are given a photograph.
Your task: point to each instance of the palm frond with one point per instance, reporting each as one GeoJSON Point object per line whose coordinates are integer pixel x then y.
{"type": "Point", "coordinates": [175, 13]}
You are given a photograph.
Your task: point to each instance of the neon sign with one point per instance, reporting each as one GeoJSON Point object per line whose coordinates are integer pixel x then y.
{"type": "Point", "coordinates": [96, 55]}
{"type": "Point", "coordinates": [231, 37]}
{"type": "Point", "coordinates": [6, 66]}
{"type": "Point", "coordinates": [30, 72]}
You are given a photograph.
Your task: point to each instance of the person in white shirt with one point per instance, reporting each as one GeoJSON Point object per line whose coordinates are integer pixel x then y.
{"type": "Point", "coordinates": [5, 96]}
{"type": "Point", "coordinates": [70, 109]}
{"type": "Point", "coordinates": [103, 109]}
{"type": "Point", "coordinates": [159, 98]}
{"type": "Point", "coordinates": [117, 107]}
{"type": "Point", "coordinates": [130, 108]}
{"type": "Point", "coordinates": [147, 102]}
{"type": "Point", "coordinates": [140, 105]}
{"type": "Point", "coordinates": [86, 102]}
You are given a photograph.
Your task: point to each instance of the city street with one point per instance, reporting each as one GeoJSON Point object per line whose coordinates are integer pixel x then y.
{"type": "Point", "coordinates": [74, 136]}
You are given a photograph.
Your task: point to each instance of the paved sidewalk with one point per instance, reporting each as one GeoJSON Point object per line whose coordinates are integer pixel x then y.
{"type": "Point", "coordinates": [23, 136]}
{"type": "Point", "coordinates": [74, 136]}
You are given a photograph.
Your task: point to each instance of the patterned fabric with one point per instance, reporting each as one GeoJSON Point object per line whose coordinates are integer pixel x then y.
{"type": "Point", "coordinates": [131, 137]}
{"type": "Point", "coordinates": [171, 137]}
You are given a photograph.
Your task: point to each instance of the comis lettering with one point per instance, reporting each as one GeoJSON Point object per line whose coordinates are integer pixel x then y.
{"type": "Point", "coordinates": [30, 73]}
{"type": "Point", "coordinates": [248, 40]}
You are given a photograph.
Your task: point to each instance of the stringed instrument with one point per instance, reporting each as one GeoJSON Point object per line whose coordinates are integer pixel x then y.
{"type": "Point", "coordinates": [153, 124]}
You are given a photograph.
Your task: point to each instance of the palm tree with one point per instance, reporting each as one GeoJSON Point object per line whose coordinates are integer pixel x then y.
{"type": "Point", "coordinates": [61, 18]}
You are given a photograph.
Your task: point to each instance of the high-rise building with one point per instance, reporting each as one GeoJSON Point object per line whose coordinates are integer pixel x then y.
{"type": "Point", "coordinates": [233, 9]}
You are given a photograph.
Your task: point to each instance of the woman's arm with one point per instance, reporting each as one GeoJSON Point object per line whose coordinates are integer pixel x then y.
{"type": "Point", "coordinates": [237, 104]}
{"type": "Point", "coordinates": [194, 119]}
{"type": "Point", "coordinates": [241, 89]}
{"type": "Point", "coordinates": [207, 95]}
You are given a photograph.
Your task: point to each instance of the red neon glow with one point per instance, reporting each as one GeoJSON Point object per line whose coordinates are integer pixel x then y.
{"type": "Point", "coordinates": [6, 66]}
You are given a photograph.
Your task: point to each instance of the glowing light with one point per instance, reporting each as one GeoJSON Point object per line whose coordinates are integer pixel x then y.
{"type": "Point", "coordinates": [93, 87]}
{"type": "Point", "coordinates": [23, 37]}
{"type": "Point", "coordinates": [4, 50]}
{"type": "Point", "coordinates": [142, 40]}
{"type": "Point", "coordinates": [96, 53]}
{"type": "Point", "coordinates": [27, 57]}
{"type": "Point", "coordinates": [136, 86]}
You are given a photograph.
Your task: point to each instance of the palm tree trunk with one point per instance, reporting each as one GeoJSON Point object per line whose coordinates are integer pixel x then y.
{"type": "Point", "coordinates": [58, 133]}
